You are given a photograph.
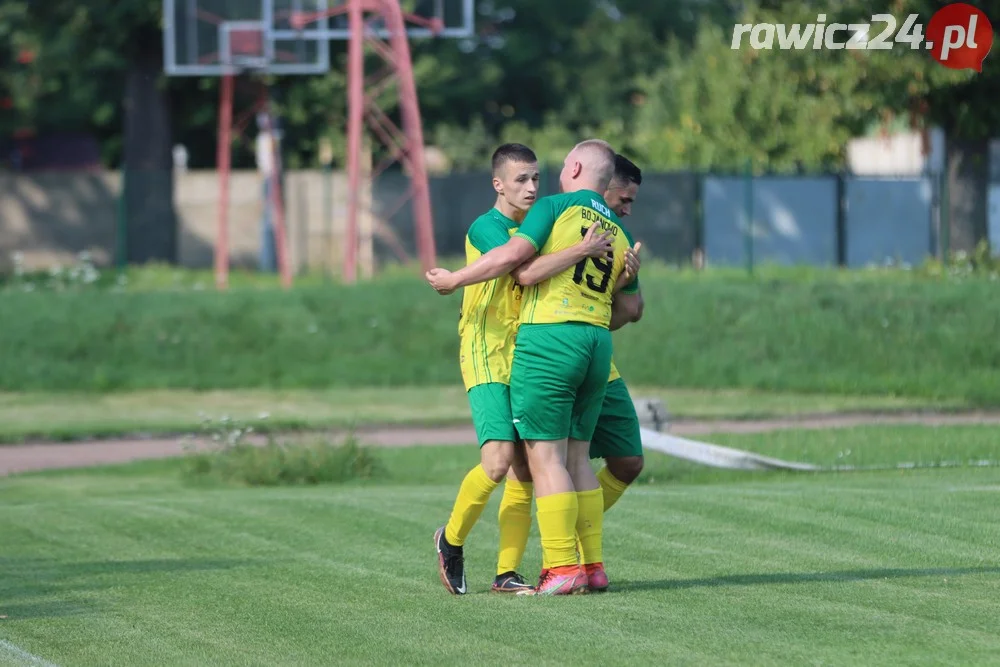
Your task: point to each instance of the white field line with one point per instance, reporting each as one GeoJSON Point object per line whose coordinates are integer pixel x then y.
{"type": "Point", "coordinates": [22, 657]}
{"type": "Point", "coordinates": [729, 458]}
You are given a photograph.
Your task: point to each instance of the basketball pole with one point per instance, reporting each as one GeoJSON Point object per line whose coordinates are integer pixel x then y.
{"type": "Point", "coordinates": [405, 146]}
{"type": "Point", "coordinates": [413, 131]}
{"type": "Point", "coordinates": [355, 120]}
{"type": "Point", "coordinates": [223, 161]}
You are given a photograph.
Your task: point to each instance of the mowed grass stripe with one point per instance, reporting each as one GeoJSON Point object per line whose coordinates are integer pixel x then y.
{"type": "Point", "coordinates": [828, 528]}
{"type": "Point", "coordinates": [830, 569]}
{"type": "Point", "coordinates": [830, 587]}
{"type": "Point", "coordinates": [281, 542]}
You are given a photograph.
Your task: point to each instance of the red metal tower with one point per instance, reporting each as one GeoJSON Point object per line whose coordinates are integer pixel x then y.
{"type": "Point", "coordinates": [405, 145]}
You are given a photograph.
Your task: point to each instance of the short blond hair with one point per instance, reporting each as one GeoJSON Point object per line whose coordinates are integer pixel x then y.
{"type": "Point", "coordinates": [599, 157]}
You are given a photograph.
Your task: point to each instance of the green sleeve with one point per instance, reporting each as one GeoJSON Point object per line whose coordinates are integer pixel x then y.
{"type": "Point", "coordinates": [632, 287]}
{"type": "Point", "coordinates": [537, 225]}
{"type": "Point", "coordinates": [487, 233]}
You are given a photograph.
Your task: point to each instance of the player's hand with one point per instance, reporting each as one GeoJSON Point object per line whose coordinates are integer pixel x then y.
{"type": "Point", "coordinates": [632, 261]}
{"type": "Point", "coordinates": [441, 280]}
{"type": "Point", "coordinates": [596, 243]}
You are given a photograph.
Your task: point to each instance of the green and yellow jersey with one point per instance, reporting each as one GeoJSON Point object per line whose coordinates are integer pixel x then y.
{"type": "Point", "coordinates": [582, 293]}
{"type": "Point", "coordinates": [488, 321]}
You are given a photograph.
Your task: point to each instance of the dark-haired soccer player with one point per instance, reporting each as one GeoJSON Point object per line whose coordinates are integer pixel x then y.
{"type": "Point", "coordinates": [617, 438]}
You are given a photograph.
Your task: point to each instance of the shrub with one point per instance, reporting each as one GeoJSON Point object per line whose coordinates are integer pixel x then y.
{"type": "Point", "coordinates": [233, 459]}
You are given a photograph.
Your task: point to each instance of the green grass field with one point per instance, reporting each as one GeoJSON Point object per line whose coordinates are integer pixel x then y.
{"type": "Point", "coordinates": [134, 565]}
{"type": "Point", "coordinates": [833, 332]}
{"type": "Point", "coordinates": [69, 416]}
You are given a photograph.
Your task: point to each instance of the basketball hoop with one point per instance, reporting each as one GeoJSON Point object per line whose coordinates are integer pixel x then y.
{"type": "Point", "coordinates": [223, 38]}
{"type": "Point", "coordinates": [243, 45]}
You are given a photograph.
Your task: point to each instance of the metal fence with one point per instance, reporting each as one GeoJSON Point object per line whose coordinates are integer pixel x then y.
{"type": "Point", "coordinates": [822, 220]}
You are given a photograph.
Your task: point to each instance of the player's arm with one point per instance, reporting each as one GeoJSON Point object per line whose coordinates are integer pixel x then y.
{"type": "Point", "coordinates": [626, 308]}
{"type": "Point", "coordinates": [595, 243]}
{"type": "Point", "coordinates": [495, 263]}
{"type": "Point", "coordinates": [491, 239]}
{"type": "Point", "coordinates": [628, 303]}
{"type": "Point", "coordinates": [531, 236]}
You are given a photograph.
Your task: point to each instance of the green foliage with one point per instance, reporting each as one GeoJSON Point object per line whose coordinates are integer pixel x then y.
{"type": "Point", "coordinates": [82, 274]}
{"type": "Point", "coordinates": [234, 459]}
{"type": "Point", "coordinates": [712, 108]}
{"type": "Point", "coordinates": [659, 81]}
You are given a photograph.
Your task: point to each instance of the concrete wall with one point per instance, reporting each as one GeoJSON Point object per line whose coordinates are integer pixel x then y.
{"type": "Point", "coordinates": [313, 234]}
{"type": "Point", "coordinates": [51, 218]}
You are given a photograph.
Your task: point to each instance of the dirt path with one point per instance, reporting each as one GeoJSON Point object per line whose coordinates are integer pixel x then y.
{"type": "Point", "coordinates": [43, 456]}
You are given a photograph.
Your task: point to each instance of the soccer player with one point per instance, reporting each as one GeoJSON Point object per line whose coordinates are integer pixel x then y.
{"type": "Point", "coordinates": [617, 438]}
{"type": "Point", "coordinates": [487, 326]}
{"type": "Point", "coordinates": [562, 357]}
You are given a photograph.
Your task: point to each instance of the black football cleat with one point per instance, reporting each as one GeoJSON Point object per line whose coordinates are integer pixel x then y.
{"type": "Point", "coordinates": [451, 564]}
{"type": "Point", "coordinates": [511, 582]}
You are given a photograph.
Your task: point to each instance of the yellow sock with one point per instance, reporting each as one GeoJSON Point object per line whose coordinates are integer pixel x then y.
{"type": "Point", "coordinates": [515, 524]}
{"type": "Point", "coordinates": [557, 525]}
{"type": "Point", "coordinates": [472, 498]}
{"type": "Point", "coordinates": [611, 486]}
{"type": "Point", "coordinates": [589, 525]}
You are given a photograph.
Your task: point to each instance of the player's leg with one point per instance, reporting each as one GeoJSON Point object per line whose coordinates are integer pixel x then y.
{"type": "Point", "coordinates": [514, 520]}
{"type": "Point", "coordinates": [490, 405]}
{"type": "Point", "coordinates": [548, 366]}
{"type": "Point", "coordinates": [590, 498]}
{"type": "Point", "coordinates": [618, 441]}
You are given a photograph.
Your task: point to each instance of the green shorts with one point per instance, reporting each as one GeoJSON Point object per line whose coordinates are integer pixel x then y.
{"type": "Point", "coordinates": [490, 404]}
{"type": "Point", "coordinates": [558, 379]}
{"type": "Point", "coordinates": [617, 433]}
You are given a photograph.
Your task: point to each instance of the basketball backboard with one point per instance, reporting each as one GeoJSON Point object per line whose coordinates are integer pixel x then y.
{"type": "Point", "coordinates": [454, 17]}
{"type": "Point", "coordinates": [217, 37]}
